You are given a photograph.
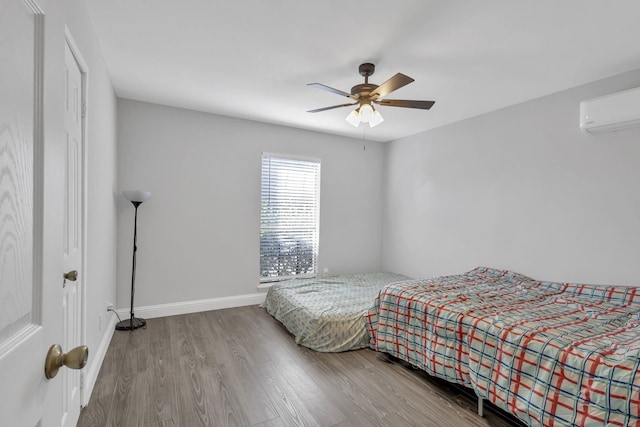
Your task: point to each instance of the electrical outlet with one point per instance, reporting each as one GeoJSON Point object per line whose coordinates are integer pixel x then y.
{"type": "Point", "coordinates": [109, 305]}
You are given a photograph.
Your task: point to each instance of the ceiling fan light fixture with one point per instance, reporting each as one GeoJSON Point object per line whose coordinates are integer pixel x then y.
{"type": "Point", "coordinates": [376, 119]}
{"type": "Point", "coordinates": [366, 93]}
{"type": "Point", "coordinates": [366, 112]}
{"type": "Point", "coordinates": [354, 118]}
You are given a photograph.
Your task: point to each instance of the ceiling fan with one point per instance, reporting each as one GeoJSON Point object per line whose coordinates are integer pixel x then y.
{"type": "Point", "coordinates": [366, 94]}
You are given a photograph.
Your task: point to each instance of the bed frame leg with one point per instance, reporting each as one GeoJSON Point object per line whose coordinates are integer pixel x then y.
{"type": "Point", "coordinates": [480, 406]}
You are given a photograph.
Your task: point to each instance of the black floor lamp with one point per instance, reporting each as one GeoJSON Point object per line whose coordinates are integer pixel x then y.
{"type": "Point", "coordinates": [136, 197]}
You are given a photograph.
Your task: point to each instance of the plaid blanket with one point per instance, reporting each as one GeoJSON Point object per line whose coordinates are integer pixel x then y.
{"type": "Point", "coordinates": [551, 354]}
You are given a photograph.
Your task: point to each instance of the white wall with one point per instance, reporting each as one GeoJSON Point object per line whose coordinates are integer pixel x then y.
{"type": "Point", "coordinates": [99, 274]}
{"type": "Point", "coordinates": [522, 189]}
{"type": "Point", "coordinates": [198, 236]}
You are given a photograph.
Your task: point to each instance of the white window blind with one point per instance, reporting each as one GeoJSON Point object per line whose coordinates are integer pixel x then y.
{"type": "Point", "coordinates": [289, 217]}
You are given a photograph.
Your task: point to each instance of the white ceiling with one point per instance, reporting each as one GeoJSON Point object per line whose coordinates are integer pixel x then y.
{"type": "Point", "coordinates": [252, 59]}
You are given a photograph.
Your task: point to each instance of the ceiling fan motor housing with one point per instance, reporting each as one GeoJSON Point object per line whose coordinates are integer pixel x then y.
{"type": "Point", "coordinates": [363, 90]}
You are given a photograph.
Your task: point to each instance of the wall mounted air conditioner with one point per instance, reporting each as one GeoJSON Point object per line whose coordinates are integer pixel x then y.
{"type": "Point", "coordinates": [611, 113]}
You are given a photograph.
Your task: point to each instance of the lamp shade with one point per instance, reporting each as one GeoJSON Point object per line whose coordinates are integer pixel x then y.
{"type": "Point", "coordinates": [376, 119]}
{"type": "Point", "coordinates": [366, 111]}
{"type": "Point", "coordinates": [136, 195]}
{"type": "Point", "coordinates": [353, 118]}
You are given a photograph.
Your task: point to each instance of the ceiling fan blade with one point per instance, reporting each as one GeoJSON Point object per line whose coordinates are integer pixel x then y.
{"type": "Point", "coordinates": [394, 83]}
{"type": "Point", "coordinates": [331, 108]}
{"type": "Point", "coordinates": [330, 89]}
{"type": "Point", "coordinates": [425, 105]}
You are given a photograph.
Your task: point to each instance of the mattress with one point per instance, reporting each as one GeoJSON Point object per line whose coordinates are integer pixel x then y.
{"type": "Point", "coordinates": [549, 353]}
{"type": "Point", "coordinates": [327, 314]}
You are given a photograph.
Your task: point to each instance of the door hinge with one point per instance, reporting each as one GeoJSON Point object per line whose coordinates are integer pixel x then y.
{"type": "Point", "coordinates": [84, 109]}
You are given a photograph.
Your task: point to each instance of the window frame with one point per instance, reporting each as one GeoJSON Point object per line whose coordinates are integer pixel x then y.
{"type": "Point", "coordinates": [265, 281]}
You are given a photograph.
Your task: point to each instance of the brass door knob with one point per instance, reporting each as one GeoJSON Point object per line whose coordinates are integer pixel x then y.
{"type": "Point", "coordinates": [74, 359]}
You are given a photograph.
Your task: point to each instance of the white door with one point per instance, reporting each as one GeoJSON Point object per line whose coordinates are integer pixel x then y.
{"type": "Point", "coordinates": [72, 236]}
{"type": "Point", "coordinates": [31, 202]}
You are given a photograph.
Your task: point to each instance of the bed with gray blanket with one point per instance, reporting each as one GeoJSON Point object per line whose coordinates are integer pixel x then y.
{"type": "Point", "coordinates": [327, 314]}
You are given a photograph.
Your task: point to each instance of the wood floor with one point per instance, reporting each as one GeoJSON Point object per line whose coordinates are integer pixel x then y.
{"type": "Point", "coordinates": [240, 367]}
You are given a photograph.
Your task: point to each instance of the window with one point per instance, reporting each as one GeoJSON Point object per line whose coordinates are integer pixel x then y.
{"type": "Point", "coordinates": [289, 216]}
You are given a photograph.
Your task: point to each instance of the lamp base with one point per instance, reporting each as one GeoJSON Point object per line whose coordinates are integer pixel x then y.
{"type": "Point", "coordinates": [128, 325]}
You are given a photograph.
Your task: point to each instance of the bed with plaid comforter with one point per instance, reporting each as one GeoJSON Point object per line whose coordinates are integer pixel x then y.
{"type": "Point", "coordinates": [551, 354]}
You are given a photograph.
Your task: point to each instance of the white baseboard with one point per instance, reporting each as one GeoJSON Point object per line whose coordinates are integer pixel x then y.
{"type": "Point", "coordinates": [186, 307]}
{"type": "Point", "coordinates": [91, 374]}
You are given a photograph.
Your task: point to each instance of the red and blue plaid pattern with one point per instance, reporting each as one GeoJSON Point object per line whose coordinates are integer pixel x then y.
{"type": "Point", "coordinates": [551, 354]}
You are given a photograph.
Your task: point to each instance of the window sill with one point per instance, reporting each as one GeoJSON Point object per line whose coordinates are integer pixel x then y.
{"type": "Point", "coordinates": [268, 283]}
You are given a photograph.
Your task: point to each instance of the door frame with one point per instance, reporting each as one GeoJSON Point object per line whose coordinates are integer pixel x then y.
{"type": "Point", "coordinates": [84, 73]}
